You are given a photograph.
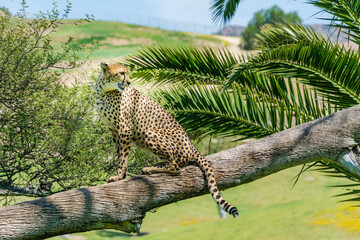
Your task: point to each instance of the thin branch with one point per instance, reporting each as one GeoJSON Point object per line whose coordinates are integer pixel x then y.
{"type": "Point", "coordinates": [9, 190]}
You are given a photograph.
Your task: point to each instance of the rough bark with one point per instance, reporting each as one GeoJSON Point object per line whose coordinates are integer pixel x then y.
{"type": "Point", "coordinates": [122, 205]}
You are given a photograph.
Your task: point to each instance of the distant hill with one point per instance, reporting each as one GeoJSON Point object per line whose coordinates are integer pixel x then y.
{"type": "Point", "coordinates": [115, 39]}
{"type": "Point", "coordinates": [233, 30]}
{"type": "Point", "coordinates": [333, 33]}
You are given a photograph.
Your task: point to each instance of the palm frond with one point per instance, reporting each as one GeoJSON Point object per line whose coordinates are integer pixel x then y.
{"type": "Point", "coordinates": [303, 169]}
{"type": "Point", "coordinates": [203, 108]}
{"type": "Point", "coordinates": [278, 34]}
{"type": "Point", "coordinates": [305, 103]}
{"type": "Point", "coordinates": [336, 170]}
{"type": "Point", "coordinates": [222, 11]}
{"type": "Point", "coordinates": [237, 111]}
{"type": "Point", "coordinates": [331, 70]}
{"type": "Point", "coordinates": [186, 64]}
{"type": "Point", "coordinates": [346, 15]}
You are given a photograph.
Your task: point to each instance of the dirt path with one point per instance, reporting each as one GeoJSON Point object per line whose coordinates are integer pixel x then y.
{"type": "Point", "coordinates": [83, 73]}
{"type": "Point", "coordinates": [232, 44]}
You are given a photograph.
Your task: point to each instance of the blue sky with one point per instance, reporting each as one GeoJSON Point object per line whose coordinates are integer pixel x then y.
{"type": "Point", "coordinates": [166, 11]}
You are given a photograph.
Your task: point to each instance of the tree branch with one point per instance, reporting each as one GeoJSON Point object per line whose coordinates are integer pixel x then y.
{"type": "Point", "coordinates": [122, 205]}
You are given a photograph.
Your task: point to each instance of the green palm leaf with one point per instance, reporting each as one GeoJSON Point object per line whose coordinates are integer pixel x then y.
{"type": "Point", "coordinates": [161, 64]}
{"type": "Point", "coordinates": [278, 34]}
{"type": "Point", "coordinates": [222, 11]}
{"type": "Point", "coordinates": [335, 170]}
{"type": "Point", "coordinates": [305, 103]}
{"type": "Point", "coordinates": [203, 108]}
{"type": "Point", "coordinates": [346, 15]}
{"type": "Point", "coordinates": [330, 70]}
{"type": "Point", "coordinates": [238, 111]}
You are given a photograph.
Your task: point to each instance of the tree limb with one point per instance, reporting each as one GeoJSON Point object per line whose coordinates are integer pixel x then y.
{"type": "Point", "coordinates": [122, 205]}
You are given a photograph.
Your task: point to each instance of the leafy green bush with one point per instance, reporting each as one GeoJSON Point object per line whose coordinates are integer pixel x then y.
{"type": "Point", "coordinates": [50, 138]}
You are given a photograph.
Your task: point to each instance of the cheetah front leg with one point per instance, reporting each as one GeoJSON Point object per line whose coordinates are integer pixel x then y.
{"type": "Point", "coordinates": [123, 149]}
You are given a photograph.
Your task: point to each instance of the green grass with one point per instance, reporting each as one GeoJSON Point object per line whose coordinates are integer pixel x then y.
{"type": "Point", "coordinates": [118, 39]}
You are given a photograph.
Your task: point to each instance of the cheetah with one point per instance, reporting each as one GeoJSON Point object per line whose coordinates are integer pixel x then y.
{"type": "Point", "coordinates": [134, 118]}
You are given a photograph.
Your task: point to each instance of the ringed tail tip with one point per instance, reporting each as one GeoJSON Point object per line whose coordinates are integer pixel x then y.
{"type": "Point", "coordinates": [234, 212]}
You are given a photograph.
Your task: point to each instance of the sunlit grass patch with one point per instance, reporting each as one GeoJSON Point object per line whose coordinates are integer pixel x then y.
{"type": "Point", "coordinates": [346, 216]}
{"type": "Point", "coordinates": [115, 39]}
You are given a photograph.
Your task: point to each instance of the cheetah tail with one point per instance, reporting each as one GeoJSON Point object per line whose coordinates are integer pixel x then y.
{"type": "Point", "coordinates": [206, 167]}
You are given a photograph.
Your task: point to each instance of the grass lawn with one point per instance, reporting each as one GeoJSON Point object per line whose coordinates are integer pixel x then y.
{"type": "Point", "coordinates": [117, 39]}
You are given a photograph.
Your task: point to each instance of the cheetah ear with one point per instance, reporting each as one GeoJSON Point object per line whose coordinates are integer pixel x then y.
{"type": "Point", "coordinates": [104, 66]}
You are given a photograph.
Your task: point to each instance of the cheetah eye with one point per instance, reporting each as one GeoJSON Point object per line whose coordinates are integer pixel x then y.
{"type": "Point", "coordinates": [122, 73]}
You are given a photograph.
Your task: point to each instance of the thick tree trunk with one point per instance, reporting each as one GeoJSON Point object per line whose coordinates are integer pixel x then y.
{"type": "Point", "coordinates": [122, 205]}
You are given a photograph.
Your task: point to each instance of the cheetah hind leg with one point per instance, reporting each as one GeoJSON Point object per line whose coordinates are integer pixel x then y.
{"type": "Point", "coordinates": [171, 168]}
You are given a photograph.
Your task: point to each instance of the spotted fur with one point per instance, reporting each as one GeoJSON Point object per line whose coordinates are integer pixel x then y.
{"type": "Point", "coordinates": [134, 118]}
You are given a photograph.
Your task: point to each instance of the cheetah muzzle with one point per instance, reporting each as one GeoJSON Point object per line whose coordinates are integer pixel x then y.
{"type": "Point", "coordinates": [134, 118]}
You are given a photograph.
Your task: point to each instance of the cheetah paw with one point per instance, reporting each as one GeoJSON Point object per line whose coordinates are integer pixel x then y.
{"type": "Point", "coordinates": [146, 170]}
{"type": "Point", "coordinates": [114, 179]}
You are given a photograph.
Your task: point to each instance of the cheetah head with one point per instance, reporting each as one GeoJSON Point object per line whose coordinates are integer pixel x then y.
{"type": "Point", "coordinates": [113, 77]}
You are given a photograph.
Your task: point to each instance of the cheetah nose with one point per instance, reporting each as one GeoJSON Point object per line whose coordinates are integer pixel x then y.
{"type": "Point", "coordinates": [121, 85]}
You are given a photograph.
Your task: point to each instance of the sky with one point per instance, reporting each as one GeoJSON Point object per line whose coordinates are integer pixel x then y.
{"type": "Point", "coordinates": [167, 13]}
